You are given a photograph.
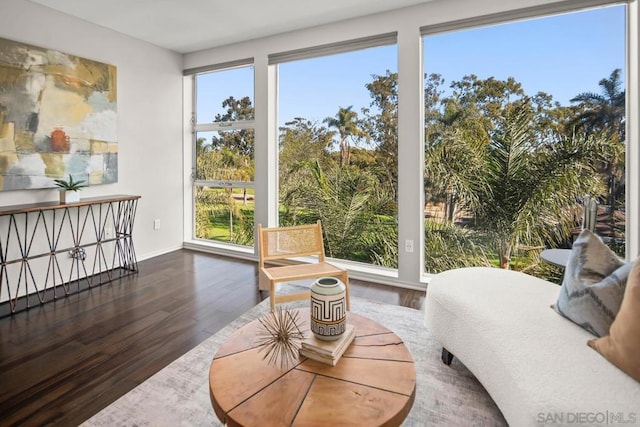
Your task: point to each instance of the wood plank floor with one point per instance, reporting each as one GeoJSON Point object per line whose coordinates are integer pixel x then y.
{"type": "Point", "coordinates": [66, 360]}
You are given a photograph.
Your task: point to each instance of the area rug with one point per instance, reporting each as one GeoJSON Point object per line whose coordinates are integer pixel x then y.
{"type": "Point", "coordinates": [178, 395]}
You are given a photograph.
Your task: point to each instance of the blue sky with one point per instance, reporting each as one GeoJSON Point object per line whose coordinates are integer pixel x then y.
{"type": "Point", "coordinates": [562, 55]}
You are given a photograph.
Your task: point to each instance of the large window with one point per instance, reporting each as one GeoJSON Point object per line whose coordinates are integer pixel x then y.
{"type": "Point", "coordinates": [337, 118]}
{"type": "Point", "coordinates": [522, 120]}
{"type": "Point", "coordinates": [224, 156]}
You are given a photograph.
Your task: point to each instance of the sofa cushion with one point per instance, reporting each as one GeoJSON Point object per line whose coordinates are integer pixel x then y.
{"type": "Point", "coordinates": [622, 346]}
{"type": "Point", "coordinates": [593, 284]}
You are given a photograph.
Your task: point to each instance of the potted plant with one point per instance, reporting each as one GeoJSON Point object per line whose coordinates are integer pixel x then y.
{"type": "Point", "coordinates": [69, 190]}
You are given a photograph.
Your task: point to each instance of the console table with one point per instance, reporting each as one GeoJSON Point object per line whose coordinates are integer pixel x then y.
{"type": "Point", "coordinates": [50, 250]}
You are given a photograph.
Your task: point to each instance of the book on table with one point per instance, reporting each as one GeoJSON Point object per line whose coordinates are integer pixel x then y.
{"type": "Point", "coordinates": [328, 352]}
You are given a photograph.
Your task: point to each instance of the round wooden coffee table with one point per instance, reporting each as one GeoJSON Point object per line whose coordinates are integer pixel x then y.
{"type": "Point", "coordinates": [374, 383]}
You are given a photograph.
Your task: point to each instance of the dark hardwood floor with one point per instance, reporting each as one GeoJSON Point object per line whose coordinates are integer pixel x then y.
{"type": "Point", "coordinates": [62, 362]}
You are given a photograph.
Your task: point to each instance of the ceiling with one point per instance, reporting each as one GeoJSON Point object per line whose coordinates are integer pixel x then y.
{"type": "Point", "coordinates": [189, 25]}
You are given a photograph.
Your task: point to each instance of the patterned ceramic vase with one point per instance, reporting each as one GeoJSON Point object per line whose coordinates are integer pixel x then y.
{"type": "Point", "coordinates": [328, 308]}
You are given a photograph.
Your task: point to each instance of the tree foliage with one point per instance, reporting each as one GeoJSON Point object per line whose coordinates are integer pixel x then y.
{"type": "Point", "coordinates": [346, 124]}
{"type": "Point", "coordinates": [381, 125]}
{"type": "Point", "coordinates": [506, 168]}
{"type": "Point", "coordinates": [604, 113]}
{"type": "Point", "coordinates": [227, 156]}
{"type": "Point", "coordinates": [498, 157]}
{"type": "Point", "coordinates": [240, 141]}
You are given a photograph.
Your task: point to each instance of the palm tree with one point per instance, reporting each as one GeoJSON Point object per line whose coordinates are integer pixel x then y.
{"type": "Point", "coordinates": [447, 246]}
{"type": "Point", "coordinates": [519, 191]}
{"type": "Point", "coordinates": [347, 200]}
{"type": "Point", "coordinates": [347, 125]}
{"type": "Point", "coordinates": [341, 198]}
{"type": "Point", "coordinates": [603, 111]}
{"type": "Point", "coordinates": [454, 145]}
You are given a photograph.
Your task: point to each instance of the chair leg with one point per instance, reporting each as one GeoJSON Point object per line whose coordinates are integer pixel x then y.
{"type": "Point", "coordinates": [447, 357]}
{"type": "Point", "coordinates": [272, 296]}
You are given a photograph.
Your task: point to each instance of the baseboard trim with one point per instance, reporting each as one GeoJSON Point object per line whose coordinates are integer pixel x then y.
{"type": "Point", "coordinates": [158, 253]}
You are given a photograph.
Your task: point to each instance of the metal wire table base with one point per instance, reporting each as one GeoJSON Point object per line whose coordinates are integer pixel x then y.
{"type": "Point", "coordinates": [51, 250]}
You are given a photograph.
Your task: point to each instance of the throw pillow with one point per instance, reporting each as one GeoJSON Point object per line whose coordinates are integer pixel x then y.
{"type": "Point", "coordinates": [593, 284]}
{"type": "Point", "coordinates": [622, 346]}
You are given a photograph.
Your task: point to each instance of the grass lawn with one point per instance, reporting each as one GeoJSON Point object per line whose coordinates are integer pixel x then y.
{"type": "Point", "coordinates": [217, 228]}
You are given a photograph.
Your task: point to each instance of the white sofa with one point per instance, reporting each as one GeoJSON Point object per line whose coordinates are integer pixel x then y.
{"type": "Point", "coordinates": [534, 363]}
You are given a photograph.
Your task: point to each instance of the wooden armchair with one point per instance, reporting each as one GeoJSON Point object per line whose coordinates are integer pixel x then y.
{"type": "Point", "coordinates": [293, 242]}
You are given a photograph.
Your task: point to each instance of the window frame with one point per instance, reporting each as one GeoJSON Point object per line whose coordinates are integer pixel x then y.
{"type": "Point", "coordinates": [410, 272]}
{"type": "Point", "coordinates": [550, 10]}
{"type": "Point", "coordinates": [215, 127]}
{"type": "Point", "coordinates": [275, 60]}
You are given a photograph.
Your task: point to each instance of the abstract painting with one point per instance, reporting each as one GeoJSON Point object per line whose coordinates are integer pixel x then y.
{"type": "Point", "coordinates": [58, 117]}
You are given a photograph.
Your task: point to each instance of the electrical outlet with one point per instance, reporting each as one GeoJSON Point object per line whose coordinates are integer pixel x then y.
{"type": "Point", "coordinates": [156, 224]}
{"type": "Point", "coordinates": [408, 245]}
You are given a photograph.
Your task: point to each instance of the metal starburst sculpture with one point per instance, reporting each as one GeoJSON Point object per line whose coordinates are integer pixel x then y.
{"type": "Point", "coordinates": [280, 337]}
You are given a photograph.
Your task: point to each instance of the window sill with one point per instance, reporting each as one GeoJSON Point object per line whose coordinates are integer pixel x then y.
{"type": "Point", "coordinates": [360, 271]}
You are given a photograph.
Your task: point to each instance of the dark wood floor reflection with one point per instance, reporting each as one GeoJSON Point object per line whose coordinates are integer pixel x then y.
{"type": "Point", "coordinates": [64, 361]}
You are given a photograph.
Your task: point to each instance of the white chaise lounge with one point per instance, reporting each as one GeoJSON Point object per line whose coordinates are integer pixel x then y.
{"type": "Point", "coordinates": [534, 363]}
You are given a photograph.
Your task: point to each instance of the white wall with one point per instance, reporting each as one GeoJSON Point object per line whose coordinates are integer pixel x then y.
{"type": "Point", "coordinates": [149, 117]}
{"type": "Point", "coordinates": [407, 23]}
